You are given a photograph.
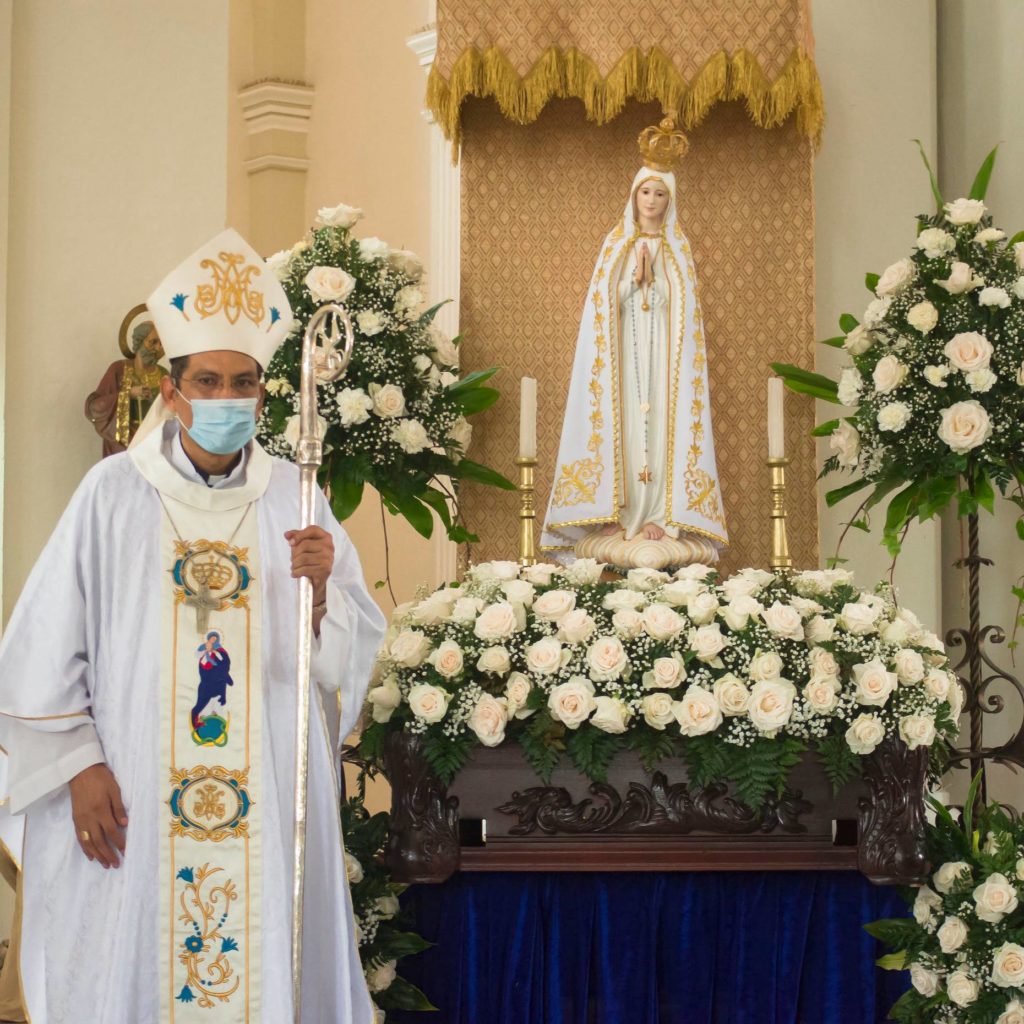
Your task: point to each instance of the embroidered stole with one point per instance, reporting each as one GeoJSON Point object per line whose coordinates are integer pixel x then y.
{"type": "Point", "coordinates": [210, 729]}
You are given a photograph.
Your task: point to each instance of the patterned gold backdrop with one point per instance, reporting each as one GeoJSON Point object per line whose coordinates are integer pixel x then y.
{"type": "Point", "coordinates": [537, 201]}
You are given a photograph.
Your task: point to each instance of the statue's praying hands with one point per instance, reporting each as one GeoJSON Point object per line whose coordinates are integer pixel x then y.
{"type": "Point", "coordinates": [644, 274]}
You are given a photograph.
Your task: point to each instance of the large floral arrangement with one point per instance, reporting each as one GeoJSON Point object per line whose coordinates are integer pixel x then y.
{"type": "Point", "coordinates": [965, 945]}
{"type": "Point", "coordinates": [381, 939]}
{"type": "Point", "coordinates": [738, 676]}
{"type": "Point", "coordinates": [398, 419]}
{"type": "Point", "coordinates": [936, 378]}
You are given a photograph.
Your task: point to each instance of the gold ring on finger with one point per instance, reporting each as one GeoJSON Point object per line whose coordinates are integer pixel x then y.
{"type": "Point", "coordinates": [84, 835]}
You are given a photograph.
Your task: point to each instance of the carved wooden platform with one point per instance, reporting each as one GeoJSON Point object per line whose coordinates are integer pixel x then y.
{"type": "Point", "coordinates": [642, 821]}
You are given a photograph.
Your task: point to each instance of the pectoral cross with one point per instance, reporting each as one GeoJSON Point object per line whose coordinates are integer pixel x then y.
{"type": "Point", "coordinates": [645, 476]}
{"type": "Point", "coordinates": [204, 603]}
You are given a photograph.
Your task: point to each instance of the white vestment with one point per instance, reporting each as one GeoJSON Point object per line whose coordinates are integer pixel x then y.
{"type": "Point", "coordinates": [80, 683]}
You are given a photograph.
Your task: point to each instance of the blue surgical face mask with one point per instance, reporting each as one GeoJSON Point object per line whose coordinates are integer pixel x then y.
{"type": "Point", "coordinates": [222, 426]}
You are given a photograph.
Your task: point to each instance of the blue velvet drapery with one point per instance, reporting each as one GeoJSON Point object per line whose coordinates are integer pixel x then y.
{"type": "Point", "coordinates": [672, 948]}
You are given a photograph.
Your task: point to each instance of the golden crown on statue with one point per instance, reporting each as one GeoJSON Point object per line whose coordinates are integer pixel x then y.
{"type": "Point", "coordinates": [662, 145]}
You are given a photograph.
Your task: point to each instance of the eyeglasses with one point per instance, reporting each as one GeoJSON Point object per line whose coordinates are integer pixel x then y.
{"type": "Point", "coordinates": [209, 384]}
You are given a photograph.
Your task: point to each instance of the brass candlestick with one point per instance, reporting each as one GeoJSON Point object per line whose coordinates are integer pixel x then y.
{"type": "Point", "coordinates": [527, 550]}
{"type": "Point", "coordinates": [780, 544]}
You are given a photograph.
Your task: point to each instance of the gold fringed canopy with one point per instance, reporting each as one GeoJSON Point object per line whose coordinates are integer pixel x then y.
{"type": "Point", "coordinates": [686, 56]}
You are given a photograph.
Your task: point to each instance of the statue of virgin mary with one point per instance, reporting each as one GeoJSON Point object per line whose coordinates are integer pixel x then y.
{"type": "Point", "coordinates": [636, 482]}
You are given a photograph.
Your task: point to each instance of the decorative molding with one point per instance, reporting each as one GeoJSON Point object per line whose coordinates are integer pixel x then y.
{"type": "Point", "coordinates": [276, 162]}
{"type": "Point", "coordinates": [276, 106]}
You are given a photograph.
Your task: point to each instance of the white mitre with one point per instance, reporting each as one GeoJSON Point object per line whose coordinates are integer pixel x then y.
{"type": "Point", "coordinates": [222, 297]}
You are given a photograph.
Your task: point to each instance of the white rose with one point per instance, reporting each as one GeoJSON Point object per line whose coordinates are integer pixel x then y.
{"type": "Point", "coordinates": [859, 340]}
{"type": "Point", "coordinates": [894, 416]}
{"type": "Point", "coordinates": [410, 436]}
{"type": "Point", "coordinates": [819, 630]}
{"type": "Point", "coordinates": [445, 350]}
{"type": "Point", "coordinates": [409, 648]}
{"type": "Point", "coordinates": [698, 712]}
{"type": "Point", "coordinates": [611, 715]}
{"type": "Point", "coordinates": [936, 683]}
{"type": "Point", "coordinates": [968, 351]}
{"type": "Point", "coordinates": [925, 981]}
{"type": "Point", "coordinates": [1018, 287]}
{"type": "Point", "coordinates": [1018, 254]}
{"type": "Point", "coordinates": [845, 443]}
{"type": "Point", "coordinates": [329, 284]}
{"type": "Point", "coordinates": [765, 665]}
{"type": "Point", "coordinates": [732, 695]}
{"type": "Point", "coordinates": [923, 317]}
{"type": "Point", "coordinates": [955, 698]}
{"type": "Point", "coordinates": [1020, 375]}
{"type": "Point", "coordinates": [702, 608]}
{"type": "Point", "coordinates": [628, 623]}
{"type": "Point", "coordinates": [914, 629]}
{"type": "Point", "coordinates": [646, 579]}
{"type": "Point", "coordinates": [623, 598]}
{"type": "Point", "coordinates": [934, 242]}
{"type": "Point", "coordinates": [553, 604]}
{"type": "Point", "coordinates": [488, 720]}
{"type": "Point", "coordinates": [694, 571]}
{"type": "Point", "coordinates": [576, 627]}
{"type": "Point", "coordinates": [387, 907]}
{"type": "Point", "coordinates": [961, 279]}
{"type": "Point", "coordinates": [949, 874]}
{"type": "Point", "coordinates": [896, 277]}
{"type": "Point", "coordinates": [784, 621]}
{"type": "Point", "coordinates": [986, 235]}
{"type": "Point", "coordinates": [380, 976]}
{"type": "Point", "coordinates": [822, 695]}
{"type": "Point", "coordinates": [280, 263]}
{"type": "Point", "coordinates": [517, 690]}
{"type": "Point", "coordinates": [665, 673]}
{"type": "Point", "coordinates": [292, 429]}
{"type": "Point", "coordinates": [739, 611]}
{"type": "Point", "coordinates": [917, 731]}
{"type": "Point", "coordinates": [373, 248]}
{"type": "Point", "coordinates": [707, 642]}
{"type": "Point", "coordinates": [679, 592]}
{"type": "Point", "coordinates": [498, 621]}
{"type": "Point", "coordinates": [909, 665]}
{"type": "Point", "coordinates": [1020, 870]}
{"type": "Point", "coordinates": [850, 383]}
{"type": "Point", "coordinates": [952, 934]}
{"type": "Point", "coordinates": [460, 434]}
{"type": "Point", "coordinates": [657, 709]}
{"type": "Point", "coordinates": [340, 216]}
{"type": "Point", "coordinates": [572, 702]}
{"type": "Point", "coordinates": [354, 406]}
{"type": "Point", "coordinates": [889, 374]}
{"type": "Point", "coordinates": [965, 426]}
{"type": "Point", "coordinates": [876, 312]}
{"type": "Point", "coordinates": [353, 869]}
{"type": "Point", "coordinates": [823, 665]}
{"type": "Point", "coordinates": [518, 592]}
{"type": "Point", "coordinates": [429, 703]}
{"type": "Point", "coordinates": [495, 661]}
{"type": "Point", "coordinates": [995, 898]}
{"type": "Point", "coordinates": [408, 300]}
{"type": "Point", "coordinates": [936, 375]}
{"type": "Point", "coordinates": [369, 322]}
{"type": "Point", "coordinates": [606, 658]}
{"type": "Point", "coordinates": [407, 263]}
{"type": "Point", "coordinates": [926, 904]}
{"type": "Point", "coordinates": [865, 733]}
{"type": "Point", "coordinates": [962, 988]}
{"type": "Point", "coordinates": [447, 658]}
{"type": "Point", "coordinates": [544, 657]}
{"type": "Point", "coordinates": [498, 569]}
{"type": "Point", "coordinates": [859, 618]}
{"type": "Point", "coordinates": [964, 211]}
{"type": "Point", "coordinates": [874, 682]}
{"type": "Point", "coordinates": [384, 699]}
{"type": "Point", "coordinates": [746, 583]}
{"type": "Point", "coordinates": [540, 573]}
{"type": "Point", "coordinates": [980, 381]}
{"type": "Point", "coordinates": [466, 609]}
{"type": "Point", "coordinates": [1014, 1012]}
{"type": "Point", "coordinates": [771, 704]}
{"type": "Point", "coordinates": [388, 400]}
{"type": "Point", "coordinates": [994, 297]}
{"type": "Point", "coordinates": [662, 622]}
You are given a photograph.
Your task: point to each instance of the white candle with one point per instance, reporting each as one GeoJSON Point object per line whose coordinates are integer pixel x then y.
{"type": "Point", "coordinates": [528, 418]}
{"type": "Point", "coordinates": [776, 420]}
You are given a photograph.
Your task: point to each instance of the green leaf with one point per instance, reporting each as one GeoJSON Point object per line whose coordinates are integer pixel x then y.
{"type": "Point", "coordinates": [1020, 528]}
{"type": "Point", "coordinates": [871, 281]}
{"type": "Point", "coordinates": [894, 931]}
{"type": "Point", "coordinates": [591, 750]}
{"type": "Point", "coordinates": [931, 176]}
{"type": "Point", "coordinates": [439, 503]}
{"type": "Point", "coordinates": [837, 342]}
{"type": "Point", "coordinates": [893, 961]}
{"type": "Point", "coordinates": [981, 179]}
{"type": "Point", "coordinates": [402, 995]}
{"type": "Point", "coordinates": [983, 492]}
{"type": "Point", "coordinates": [807, 382]}
{"type": "Point", "coordinates": [1019, 237]}
{"type": "Point", "coordinates": [476, 400]}
{"type": "Point", "coordinates": [825, 429]}
{"type": "Point", "coordinates": [542, 744]}
{"type": "Point", "coordinates": [469, 470]}
{"type": "Point", "coordinates": [837, 494]}
{"type": "Point", "coordinates": [839, 762]}
{"type": "Point", "coordinates": [395, 944]}
{"type": "Point", "coordinates": [901, 510]}
{"type": "Point", "coordinates": [847, 322]}
{"type": "Point", "coordinates": [472, 380]}
{"type": "Point", "coordinates": [346, 494]}
{"type": "Point", "coordinates": [447, 754]}
{"type": "Point", "coordinates": [415, 513]}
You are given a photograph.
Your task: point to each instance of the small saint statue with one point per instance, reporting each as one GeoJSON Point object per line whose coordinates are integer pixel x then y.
{"type": "Point", "coordinates": [123, 397]}
{"type": "Point", "coordinates": [636, 482]}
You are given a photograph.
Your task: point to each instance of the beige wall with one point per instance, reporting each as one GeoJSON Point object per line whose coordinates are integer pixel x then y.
{"type": "Point", "coordinates": [118, 120]}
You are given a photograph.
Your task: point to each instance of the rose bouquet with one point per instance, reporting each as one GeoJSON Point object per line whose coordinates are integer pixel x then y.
{"type": "Point", "coordinates": [964, 947]}
{"type": "Point", "coordinates": [399, 418]}
{"type": "Point", "coordinates": [738, 676]}
{"type": "Point", "coordinates": [936, 378]}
